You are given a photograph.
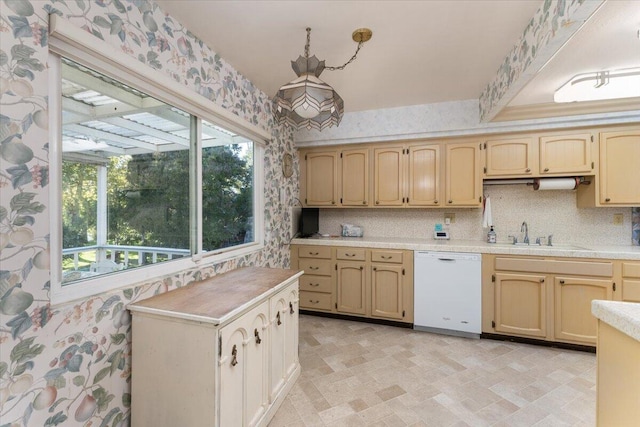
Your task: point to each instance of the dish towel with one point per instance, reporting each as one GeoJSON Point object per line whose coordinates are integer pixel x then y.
{"type": "Point", "coordinates": [487, 219]}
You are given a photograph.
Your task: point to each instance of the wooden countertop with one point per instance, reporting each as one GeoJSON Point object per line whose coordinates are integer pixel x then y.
{"type": "Point", "coordinates": [219, 298]}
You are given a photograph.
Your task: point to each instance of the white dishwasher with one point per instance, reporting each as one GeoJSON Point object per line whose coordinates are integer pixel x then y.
{"type": "Point", "coordinates": [447, 293]}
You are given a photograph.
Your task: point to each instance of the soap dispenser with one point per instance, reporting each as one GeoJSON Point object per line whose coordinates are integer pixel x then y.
{"type": "Point", "coordinates": [491, 236]}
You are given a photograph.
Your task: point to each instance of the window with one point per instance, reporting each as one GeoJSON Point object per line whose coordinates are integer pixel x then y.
{"type": "Point", "coordinates": [144, 181]}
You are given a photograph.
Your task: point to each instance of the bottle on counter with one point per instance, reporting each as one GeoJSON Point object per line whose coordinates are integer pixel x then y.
{"type": "Point", "coordinates": [491, 236]}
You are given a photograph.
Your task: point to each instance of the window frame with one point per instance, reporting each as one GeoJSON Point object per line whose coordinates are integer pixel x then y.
{"type": "Point", "coordinates": [69, 41]}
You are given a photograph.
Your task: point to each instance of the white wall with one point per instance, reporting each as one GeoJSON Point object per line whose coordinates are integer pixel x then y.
{"type": "Point", "coordinates": [546, 212]}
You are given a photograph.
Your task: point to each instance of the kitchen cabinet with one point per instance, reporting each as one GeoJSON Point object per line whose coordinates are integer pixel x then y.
{"type": "Point", "coordinates": [368, 282]}
{"type": "Point", "coordinates": [509, 157]}
{"type": "Point", "coordinates": [620, 168]}
{"type": "Point", "coordinates": [630, 282]}
{"type": "Point", "coordinates": [566, 154]}
{"type": "Point", "coordinates": [544, 298]}
{"type": "Point", "coordinates": [389, 176]}
{"type": "Point", "coordinates": [317, 282]}
{"type": "Point", "coordinates": [213, 353]}
{"type": "Point", "coordinates": [573, 320]}
{"type": "Point", "coordinates": [521, 304]}
{"type": "Point", "coordinates": [388, 286]}
{"type": "Point", "coordinates": [413, 176]}
{"type": "Point", "coordinates": [618, 172]}
{"type": "Point", "coordinates": [540, 155]}
{"type": "Point", "coordinates": [320, 178]}
{"type": "Point", "coordinates": [354, 174]}
{"type": "Point", "coordinates": [463, 185]}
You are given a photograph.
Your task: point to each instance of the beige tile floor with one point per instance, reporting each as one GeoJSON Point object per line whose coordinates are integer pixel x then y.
{"type": "Point", "coordinates": [360, 374]}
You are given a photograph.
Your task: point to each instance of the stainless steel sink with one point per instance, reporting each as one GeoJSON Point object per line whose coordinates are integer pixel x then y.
{"type": "Point", "coordinates": [534, 247]}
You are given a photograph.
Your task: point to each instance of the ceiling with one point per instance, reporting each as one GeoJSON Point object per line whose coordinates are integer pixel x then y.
{"type": "Point", "coordinates": [421, 52]}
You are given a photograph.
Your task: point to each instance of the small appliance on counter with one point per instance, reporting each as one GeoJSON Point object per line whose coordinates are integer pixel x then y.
{"type": "Point", "coordinates": [350, 230]}
{"type": "Point", "coordinates": [309, 222]}
{"type": "Point", "coordinates": [439, 233]}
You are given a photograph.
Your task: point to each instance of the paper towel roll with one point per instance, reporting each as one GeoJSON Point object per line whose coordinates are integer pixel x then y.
{"type": "Point", "coordinates": [556, 183]}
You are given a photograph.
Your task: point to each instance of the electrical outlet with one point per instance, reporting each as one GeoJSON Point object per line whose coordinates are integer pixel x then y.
{"type": "Point", "coordinates": [449, 218]}
{"type": "Point", "coordinates": [618, 219]}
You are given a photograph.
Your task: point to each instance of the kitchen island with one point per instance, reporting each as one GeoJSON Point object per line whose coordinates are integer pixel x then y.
{"type": "Point", "coordinates": [618, 366]}
{"type": "Point", "coordinates": [219, 352]}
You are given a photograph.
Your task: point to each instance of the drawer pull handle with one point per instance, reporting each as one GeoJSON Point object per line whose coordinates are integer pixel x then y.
{"type": "Point", "coordinates": [279, 322]}
{"type": "Point", "coordinates": [257, 335]}
{"type": "Point", "coordinates": [386, 256]}
{"type": "Point", "coordinates": [314, 284]}
{"type": "Point", "coordinates": [350, 255]}
{"type": "Point", "coordinates": [234, 355]}
{"type": "Point", "coordinates": [314, 268]}
{"type": "Point", "coordinates": [291, 310]}
{"type": "Point", "coordinates": [313, 253]}
{"type": "Point", "coordinates": [314, 302]}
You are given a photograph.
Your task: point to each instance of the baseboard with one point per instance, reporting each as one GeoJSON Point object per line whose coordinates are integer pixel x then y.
{"type": "Point", "coordinates": [359, 319]}
{"type": "Point", "coordinates": [533, 341]}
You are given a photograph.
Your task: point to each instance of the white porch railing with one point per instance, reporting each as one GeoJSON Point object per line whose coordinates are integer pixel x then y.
{"type": "Point", "coordinates": [123, 254]}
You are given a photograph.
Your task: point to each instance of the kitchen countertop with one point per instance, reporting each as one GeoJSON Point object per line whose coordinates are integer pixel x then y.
{"type": "Point", "coordinates": [624, 316]}
{"type": "Point", "coordinates": [574, 251]}
{"type": "Point", "coordinates": [219, 298]}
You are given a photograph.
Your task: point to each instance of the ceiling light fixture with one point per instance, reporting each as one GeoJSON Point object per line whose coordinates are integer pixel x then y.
{"type": "Point", "coordinates": [308, 102]}
{"type": "Point", "coordinates": [600, 85]}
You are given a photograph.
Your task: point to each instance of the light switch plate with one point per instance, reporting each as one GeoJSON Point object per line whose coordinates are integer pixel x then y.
{"type": "Point", "coordinates": [618, 219]}
{"type": "Point", "coordinates": [449, 218]}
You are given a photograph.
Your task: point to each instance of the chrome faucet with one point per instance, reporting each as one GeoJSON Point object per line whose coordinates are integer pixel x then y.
{"type": "Point", "coordinates": [525, 229]}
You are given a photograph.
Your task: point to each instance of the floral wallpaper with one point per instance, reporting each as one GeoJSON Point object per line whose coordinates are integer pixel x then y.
{"type": "Point", "coordinates": [553, 24]}
{"type": "Point", "coordinates": [71, 364]}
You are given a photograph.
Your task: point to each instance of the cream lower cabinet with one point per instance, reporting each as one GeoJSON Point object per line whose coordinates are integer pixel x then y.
{"type": "Point", "coordinates": [200, 358]}
{"type": "Point", "coordinates": [572, 300]}
{"type": "Point", "coordinates": [544, 298]}
{"type": "Point", "coordinates": [363, 282]}
{"type": "Point", "coordinates": [630, 282]}
{"type": "Point", "coordinates": [521, 304]}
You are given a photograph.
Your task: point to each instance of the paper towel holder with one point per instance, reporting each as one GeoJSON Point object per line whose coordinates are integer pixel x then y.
{"type": "Point", "coordinates": [566, 183]}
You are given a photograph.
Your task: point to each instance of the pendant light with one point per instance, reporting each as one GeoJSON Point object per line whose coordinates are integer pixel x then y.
{"type": "Point", "coordinates": [308, 102]}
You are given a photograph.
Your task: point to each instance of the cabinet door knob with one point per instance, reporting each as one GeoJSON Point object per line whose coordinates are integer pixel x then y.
{"type": "Point", "coordinates": [562, 282]}
{"type": "Point", "coordinates": [333, 202]}
{"type": "Point", "coordinates": [291, 310]}
{"type": "Point", "coordinates": [435, 202]}
{"type": "Point", "coordinates": [546, 169]}
{"type": "Point", "coordinates": [527, 170]}
{"type": "Point", "coordinates": [450, 201]}
{"type": "Point", "coordinates": [607, 199]}
{"type": "Point", "coordinates": [257, 335]}
{"type": "Point", "coordinates": [541, 280]}
{"type": "Point", "coordinates": [364, 202]}
{"type": "Point", "coordinates": [234, 355]}
{"type": "Point", "coordinates": [375, 268]}
{"type": "Point", "coordinates": [377, 202]}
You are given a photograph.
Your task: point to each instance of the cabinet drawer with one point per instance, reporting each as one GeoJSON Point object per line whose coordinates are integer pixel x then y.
{"type": "Point", "coordinates": [315, 300]}
{"type": "Point", "coordinates": [315, 283]}
{"type": "Point", "coordinates": [631, 269]}
{"type": "Point", "coordinates": [631, 290]}
{"type": "Point", "coordinates": [351, 254]}
{"type": "Point", "coordinates": [320, 267]}
{"type": "Point", "coordinates": [323, 252]}
{"type": "Point", "coordinates": [387, 256]}
{"type": "Point", "coordinates": [581, 268]}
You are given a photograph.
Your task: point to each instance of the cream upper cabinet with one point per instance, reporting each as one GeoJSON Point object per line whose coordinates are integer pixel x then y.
{"type": "Point", "coordinates": [389, 173]}
{"type": "Point", "coordinates": [620, 168]}
{"type": "Point", "coordinates": [566, 154]}
{"type": "Point", "coordinates": [521, 304]}
{"type": "Point", "coordinates": [424, 175]}
{"type": "Point", "coordinates": [320, 180]}
{"type": "Point", "coordinates": [573, 320]}
{"type": "Point", "coordinates": [510, 157]}
{"type": "Point", "coordinates": [463, 183]}
{"type": "Point", "coordinates": [354, 174]}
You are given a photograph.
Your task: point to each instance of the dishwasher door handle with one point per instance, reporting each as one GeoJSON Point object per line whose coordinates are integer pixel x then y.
{"type": "Point", "coordinates": [446, 259]}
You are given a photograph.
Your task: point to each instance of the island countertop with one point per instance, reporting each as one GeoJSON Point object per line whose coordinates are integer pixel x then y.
{"type": "Point", "coordinates": [623, 316]}
{"type": "Point", "coordinates": [219, 298]}
{"type": "Point", "coordinates": [628, 252]}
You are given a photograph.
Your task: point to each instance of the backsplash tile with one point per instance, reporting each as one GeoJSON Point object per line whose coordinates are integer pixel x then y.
{"type": "Point", "coordinates": [546, 212]}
